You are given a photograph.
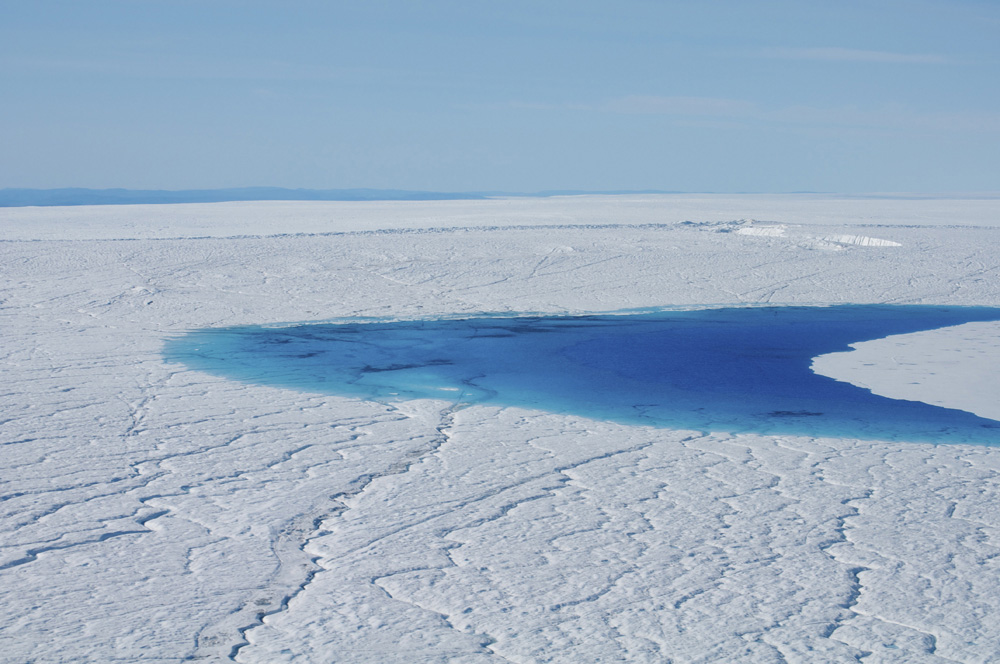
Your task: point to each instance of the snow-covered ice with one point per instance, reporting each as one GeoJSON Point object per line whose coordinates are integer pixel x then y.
{"type": "Point", "coordinates": [153, 513]}
{"type": "Point", "coordinates": [954, 368]}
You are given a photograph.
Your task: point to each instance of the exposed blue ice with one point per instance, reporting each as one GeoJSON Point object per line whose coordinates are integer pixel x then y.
{"type": "Point", "coordinates": [733, 370]}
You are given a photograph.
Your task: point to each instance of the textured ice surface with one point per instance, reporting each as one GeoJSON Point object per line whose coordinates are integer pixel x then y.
{"type": "Point", "coordinates": [153, 513]}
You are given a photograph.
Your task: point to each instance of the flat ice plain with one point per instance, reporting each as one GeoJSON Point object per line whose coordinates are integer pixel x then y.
{"type": "Point", "coordinates": [158, 514]}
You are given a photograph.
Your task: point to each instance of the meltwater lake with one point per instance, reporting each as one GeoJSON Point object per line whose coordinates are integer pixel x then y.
{"type": "Point", "coordinates": [731, 370]}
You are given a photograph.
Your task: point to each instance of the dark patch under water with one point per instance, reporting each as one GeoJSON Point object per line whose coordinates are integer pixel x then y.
{"type": "Point", "coordinates": [734, 370]}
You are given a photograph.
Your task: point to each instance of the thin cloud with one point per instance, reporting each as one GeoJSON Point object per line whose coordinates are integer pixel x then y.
{"type": "Point", "coordinates": [837, 54]}
{"type": "Point", "coordinates": [727, 112]}
{"type": "Point", "coordinates": [741, 112]}
{"type": "Point", "coordinates": [696, 106]}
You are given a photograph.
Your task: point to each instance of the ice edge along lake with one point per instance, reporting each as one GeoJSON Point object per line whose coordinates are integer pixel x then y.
{"type": "Point", "coordinates": [736, 370]}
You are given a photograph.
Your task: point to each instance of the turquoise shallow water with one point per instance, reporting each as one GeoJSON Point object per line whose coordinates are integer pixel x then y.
{"type": "Point", "coordinates": [734, 370]}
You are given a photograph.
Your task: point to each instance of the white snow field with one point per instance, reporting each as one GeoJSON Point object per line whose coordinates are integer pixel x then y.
{"type": "Point", "coordinates": [151, 513]}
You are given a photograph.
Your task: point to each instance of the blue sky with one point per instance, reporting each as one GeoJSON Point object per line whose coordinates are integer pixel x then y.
{"type": "Point", "coordinates": [470, 95]}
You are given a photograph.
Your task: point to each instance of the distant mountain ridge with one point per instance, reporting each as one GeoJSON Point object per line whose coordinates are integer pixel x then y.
{"type": "Point", "coordinates": [81, 196]}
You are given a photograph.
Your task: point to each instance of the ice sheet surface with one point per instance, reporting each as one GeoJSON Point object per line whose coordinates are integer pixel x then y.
{"type": "Point", "coordinates": [733, 370]}
{"type": "Point", "coordinates": [155, 513]}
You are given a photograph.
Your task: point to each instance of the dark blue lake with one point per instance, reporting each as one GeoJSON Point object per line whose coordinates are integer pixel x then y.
{"type": "Point", "coordinates": [733, 370]}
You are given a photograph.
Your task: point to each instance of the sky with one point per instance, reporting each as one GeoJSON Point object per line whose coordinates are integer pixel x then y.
{"type": "Point", "coordinates": [521, 96]}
